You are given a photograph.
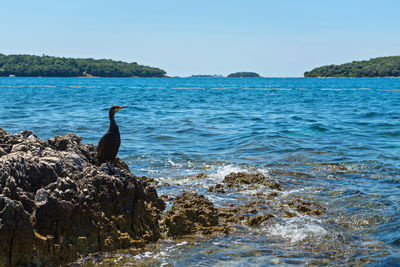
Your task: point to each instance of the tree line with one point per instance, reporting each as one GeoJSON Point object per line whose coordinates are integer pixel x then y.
{"type": "Point", "coordinates": [48, 66]}
{"type": "Point", "coordinates": [375, 67]}
{"type": "Point", "coordinates": [243, 74]}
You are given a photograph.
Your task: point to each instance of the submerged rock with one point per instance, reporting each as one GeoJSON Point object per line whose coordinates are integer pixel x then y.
{"type": "Point", "coordinates": [264, 206]}
{"type": "Point", "coordinates": [306, 207]}
{"type": "Point", "coordinates": [201, 175]}
{"type": "Point", "coordinates": [257, 220]}
{"type": "Point", "coordinates": [217, 188]}
{"type": "Point", "coordinates": [56, 203]}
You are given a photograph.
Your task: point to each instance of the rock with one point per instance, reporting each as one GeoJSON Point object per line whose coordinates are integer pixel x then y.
{"type": "Point", "coordinates": [272, 195]}
{"type": "Point", "coordinates": [165, 197]}
{"type": "Point", "coordinates": [284, 173]}
{"type": "Point", "coordinates": [257, 220]}
{"type": "Point", "coordinates": [231, 215]}
{"type": "Point", "coordinates": [198, 176]}
{"type": "Point", "coordinates": [307, 207]}
{"type": "Point", "coordinates": [56, 203]}
{"type": "Point", "coordinates": [261, 207]}
{"type": "Point", "coordinates": [236, 179]}
{"type": "Point", "coordinates": [334, 168]}
{"type": "Point", "coordinates": [149, 181]}
{"type": "Point", "coordinates": [190, 213]}
{"type": "Point", "coordinates": [217, 188]}
{"type": "Point", "coordinates": [16, 232]}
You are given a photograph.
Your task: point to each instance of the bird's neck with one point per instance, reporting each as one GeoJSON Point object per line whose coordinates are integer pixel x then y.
{"type": "Point", "coordinates": [113, 124]}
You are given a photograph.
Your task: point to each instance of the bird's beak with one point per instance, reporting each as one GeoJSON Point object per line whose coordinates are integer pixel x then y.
{"type": "Point", "coordinates": [118, 109]}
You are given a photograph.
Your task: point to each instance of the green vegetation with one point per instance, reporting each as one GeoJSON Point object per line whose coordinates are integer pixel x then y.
{"type": "Point", "coordinates": [375, 67]}
{"type": "Point", "coordinates": [47, 66]}
{"type": "Point", "coordinates": [243, 74]}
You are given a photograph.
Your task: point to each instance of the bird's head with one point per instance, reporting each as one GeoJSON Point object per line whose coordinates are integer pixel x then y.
{"type": "Point", "coordinates": [114, 109]}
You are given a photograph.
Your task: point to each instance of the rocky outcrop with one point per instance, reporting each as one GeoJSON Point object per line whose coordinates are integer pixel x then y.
{"type": "Point", "coordinates": [57, 203]}
{"type": "Point", "coordinates": [190, 213]}
{"type": "Point", "coordinates": [236, 179]}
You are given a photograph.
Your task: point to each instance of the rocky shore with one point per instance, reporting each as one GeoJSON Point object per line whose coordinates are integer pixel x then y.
{"type": "Point", "coordinates": [58, 204]}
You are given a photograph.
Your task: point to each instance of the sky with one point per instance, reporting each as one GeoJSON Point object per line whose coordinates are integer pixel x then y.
{"type": "Point", "coordinates": [282, 38]}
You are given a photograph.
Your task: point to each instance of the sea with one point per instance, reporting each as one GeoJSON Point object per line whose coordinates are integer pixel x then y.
{"type": "Point", "coordinates": [336, 140]}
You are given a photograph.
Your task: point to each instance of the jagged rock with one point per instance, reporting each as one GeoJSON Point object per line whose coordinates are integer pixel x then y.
{"type": "Point", "coordinates": [149, 181]}
{"type": "Point", "coordinates": [190, 213]}
{"type": "Point", "coordinates": [56, 203]}
{"type": "Point", "coordinates": [16, 233]}
{"type": "Point", "coordinates": [236, 179]}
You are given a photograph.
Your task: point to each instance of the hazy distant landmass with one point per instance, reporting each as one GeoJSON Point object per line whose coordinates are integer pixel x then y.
{"type": "Point", "coordinates": [243, 74]}
{"type": "Point", "coordinates": [375, 67]}
{"type": "Point", "coordinates": [47, 66]}
{"type": "Point", "coordinates": [207, 76]}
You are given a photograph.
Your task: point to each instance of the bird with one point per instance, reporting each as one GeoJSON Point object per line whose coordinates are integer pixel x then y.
{"type": "Point", "coordinates": [109, 143]}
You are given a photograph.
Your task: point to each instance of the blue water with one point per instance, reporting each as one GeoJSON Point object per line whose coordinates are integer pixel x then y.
{"type": "Point", "coordinates": [177, 127]}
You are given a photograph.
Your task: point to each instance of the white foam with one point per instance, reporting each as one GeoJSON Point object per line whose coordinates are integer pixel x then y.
{"type": "Point", "coordinates": [256, 190]}
{"type": "Point", "coordinates": [190, 169]}
{"type": "Point", "coordinates": [224, 170]}
{"type": "Point", "coordinates": [148, 170]}
{"type": "Point", "coordinates": [297, 229]}
{"type": "Point", "coordinates": [173, 164]}
{"type": "Point", "coordinates": [182, 243]}
{"type": "Point", "coordinates": [147, 254]}
{"type": "Point", "coordinates": [119, 259]}
{"type": "Point", "coordinates": [292, 191]}
{"type": "Point", "coordinates": [52, 86]}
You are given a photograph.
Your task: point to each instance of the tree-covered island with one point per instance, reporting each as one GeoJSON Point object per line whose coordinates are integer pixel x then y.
{"type": "Point", "coordinates": [375, 67]}
{"type": "Point", "coordinates": [48, 66]}
{"type": "Point", "coordinates": [243, 74]}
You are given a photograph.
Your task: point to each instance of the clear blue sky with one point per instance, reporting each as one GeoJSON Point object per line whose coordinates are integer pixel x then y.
{"type": "Point", "coordinates": [274, 38]}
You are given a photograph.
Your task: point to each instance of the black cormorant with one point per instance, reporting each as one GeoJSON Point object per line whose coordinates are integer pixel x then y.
{"type": "Point", "coordinates": [109, 144]}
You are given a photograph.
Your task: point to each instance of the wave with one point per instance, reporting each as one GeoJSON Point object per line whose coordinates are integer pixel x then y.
{"type": "Point", "coordinates": [370, 114]}
{"type": "Point", "coordinates": [318, 127]}
{"type": "Point", "coordinates": [186, 88]}
{"type": "Point", "coordinates": [298, 229]}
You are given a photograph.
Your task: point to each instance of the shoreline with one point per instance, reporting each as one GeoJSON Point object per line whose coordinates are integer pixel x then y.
{"type": "Point", "coordinates": [52, 186]}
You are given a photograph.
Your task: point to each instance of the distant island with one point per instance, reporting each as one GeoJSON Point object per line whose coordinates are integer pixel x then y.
{"type": "Point", "coordinates": [243, 74]}
{"type": "Point", "coordinates": [375, 67]}
{"type": "Point", "coordinates": [206, 76]}
{"type": "Point", "coordinates": [48, 66]}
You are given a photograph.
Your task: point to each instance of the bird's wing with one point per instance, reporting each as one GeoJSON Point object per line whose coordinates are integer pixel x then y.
{"type": "Point", "coordinates": [100, 145]}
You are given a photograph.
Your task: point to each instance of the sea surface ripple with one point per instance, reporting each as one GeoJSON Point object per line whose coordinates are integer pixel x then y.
{"type": "Point", "coordinates": [342, 134]}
